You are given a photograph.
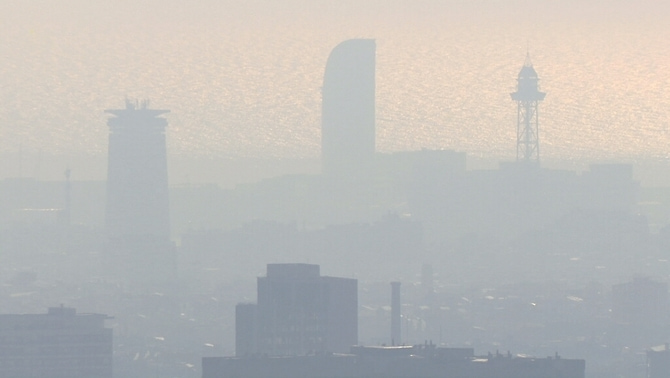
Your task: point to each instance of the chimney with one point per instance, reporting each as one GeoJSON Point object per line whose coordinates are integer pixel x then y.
{"type": "Point", "coordinates": [395, 313]}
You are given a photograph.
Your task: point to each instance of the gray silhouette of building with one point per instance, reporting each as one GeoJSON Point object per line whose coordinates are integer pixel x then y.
{"type": "Point", "coordinates": [137, 178]}
{"type": "Point", "coordinates": [397, 361]}
{"type": "Point", "coordinates": [658, 361]}
{"type": "Point", "coordinates": [298, 312]}
{"type": "Point", "coordinates": [137, 219]}
{"type": "Point", "coordinates": [60, 343]}
{"type": "Point", "coordinates": [348, 109]}
{"type": "Point", "coordinates": [640, 302]}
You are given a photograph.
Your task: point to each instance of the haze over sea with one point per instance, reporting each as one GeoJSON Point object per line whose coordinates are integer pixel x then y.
{"type": "Point", "coordinates": [242, 78]}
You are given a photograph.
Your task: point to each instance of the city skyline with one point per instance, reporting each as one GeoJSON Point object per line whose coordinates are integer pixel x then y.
{"type": "Point", "coordinates": [436, 85]}
{"type": "Point", "coordinates": [313, 153]}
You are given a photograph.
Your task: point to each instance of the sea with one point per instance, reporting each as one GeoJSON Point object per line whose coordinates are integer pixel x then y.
{"type": "Point", "coordinates": [242, 79]}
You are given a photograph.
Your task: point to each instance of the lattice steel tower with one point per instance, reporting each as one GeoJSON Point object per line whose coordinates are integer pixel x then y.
{"type": "Point", "coordinates": [527, 97]}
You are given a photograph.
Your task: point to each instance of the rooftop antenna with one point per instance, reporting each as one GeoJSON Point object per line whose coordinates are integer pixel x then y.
{"type": "Point", "coordinates": [133, 104]}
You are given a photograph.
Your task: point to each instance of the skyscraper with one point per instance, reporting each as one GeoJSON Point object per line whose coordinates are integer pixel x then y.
{"type": "Point", "coordinates": [137, 183]}
{"type": "Point", "coordinates": [137, 220]}
{"type": "Point", "coordinates": [348, 108]}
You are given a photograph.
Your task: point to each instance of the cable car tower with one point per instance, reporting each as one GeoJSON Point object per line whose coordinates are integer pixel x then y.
{"type": "Point", "coordinates": [527, 97]}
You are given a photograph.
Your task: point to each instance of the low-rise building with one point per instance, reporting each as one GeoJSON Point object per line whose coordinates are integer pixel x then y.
{"type": "Point", "coordinates": [425, 361]}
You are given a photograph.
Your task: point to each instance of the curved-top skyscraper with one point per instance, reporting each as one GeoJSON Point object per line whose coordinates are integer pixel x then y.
{"type": "Point", "coordinates": [348, 108]}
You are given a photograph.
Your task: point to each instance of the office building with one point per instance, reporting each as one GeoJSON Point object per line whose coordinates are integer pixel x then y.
{"type": "Point", "coordinates": [658, 361]}
{"type": "Point", "coordinates": [60, 343]}
{"type": "Point", "coordinates": [137, 220]}
{"type": "Point", "coordinates": [298, 312]}
{"type": "Point", "coordinates": [641, 302]}
{"type": "Point", "coordinates": [137, 181]}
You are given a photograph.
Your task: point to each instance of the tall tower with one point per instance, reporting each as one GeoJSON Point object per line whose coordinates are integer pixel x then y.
{"type": "Point", "coordinates": [527, 97]}
{"type": "Point", "coordinates": [137, 220]}
{"type": "Point", "coordinates": [396, 313]}
{"type": "Point", "coordinates": [137, 183]}
{"type": "Point", "coordinates": [348, 108]}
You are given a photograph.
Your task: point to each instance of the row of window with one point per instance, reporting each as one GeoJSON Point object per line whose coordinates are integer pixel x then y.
{"type": "Point", "coordinates": [54, 339]}
{"type": "Point", "coordinates": [55, 350]}
{"type": "Point", "coordinates": [35, 362]}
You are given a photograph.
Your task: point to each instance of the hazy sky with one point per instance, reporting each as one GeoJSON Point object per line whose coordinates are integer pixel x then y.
{"type": "Point", "coordinates": [243, 78]}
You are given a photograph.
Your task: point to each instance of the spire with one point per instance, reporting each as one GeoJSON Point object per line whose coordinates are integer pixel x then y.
{"type": "Point", "coordinates": [527, 62]}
